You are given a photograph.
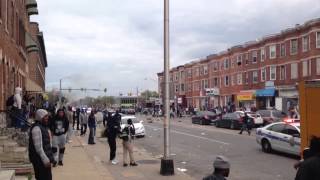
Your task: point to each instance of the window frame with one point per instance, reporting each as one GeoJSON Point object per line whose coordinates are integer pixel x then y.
{"type": "Point", "coordinates": [318, 66]}
{"type": "Point", "coordinates": [305, 45]}
{"type": "Point", "coordinates": [263, 71]}
{"type": "Point", "coordinates": [282, 49]}
{"type": "Point", "coordinates": [273, 49]}
{"type": "Point", "coordinates": [262, 54]}
{"type": "Point", "coordinates": [239, 78]}
{"type": "Point", "coordinates": [275, 73]}
{"type": "Point", "coordinates": [226, 81]}
{"type": "Point", "coordinates": [254, 57]}
{"type": "Point", "coordinates": [295, 65]}
{"type": "Point", "coordinates": [291, 47]}
{"type": "Point", "coordinates": [255, 76]}
{"type": "Point", "coordinates": [318, 39]}
{"type": "Point", "coordinates": [283, 74]}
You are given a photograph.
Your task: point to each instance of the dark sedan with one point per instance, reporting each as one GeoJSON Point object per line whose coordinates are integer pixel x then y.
{"type": "Point", "coordinates": [204, 117]}
{"type": "Point", "coordinates": [230, 120]}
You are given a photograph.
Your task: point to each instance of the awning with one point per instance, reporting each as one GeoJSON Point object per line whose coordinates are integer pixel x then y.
{"type": "Point", "coordinates": [31, 3]}
{"type": "Point", "coordinates": [265, 92]}
{"type": "Point", "coordinates": [31, 86]}
{"type": "Point", "coordinates": [245, 96]}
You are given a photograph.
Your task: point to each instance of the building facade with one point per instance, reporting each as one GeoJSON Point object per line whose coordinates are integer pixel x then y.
{"type": "Point", "coordinates": [262, 73]}
{"type": "Point", "coordinates": [22, 50]}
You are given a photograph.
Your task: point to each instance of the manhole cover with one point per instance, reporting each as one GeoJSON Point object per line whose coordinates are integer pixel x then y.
{"type": "Point", "coordinates": [148, 162]}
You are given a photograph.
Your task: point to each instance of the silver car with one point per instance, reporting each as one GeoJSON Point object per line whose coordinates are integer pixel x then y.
{"type": "Point", "coordinates": [280, 136]}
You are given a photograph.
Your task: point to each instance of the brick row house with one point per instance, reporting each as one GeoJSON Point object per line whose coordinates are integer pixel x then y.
{"type": "Point", "coordinates": [22, 49]}
{"type": "Point", "coordinates": [262, 73]}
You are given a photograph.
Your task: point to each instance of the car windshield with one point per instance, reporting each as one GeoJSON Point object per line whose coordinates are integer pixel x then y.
{"type": "Point", "coordinates": [207, 113]}
{"type": "Point", "coordinates": [125, 120]}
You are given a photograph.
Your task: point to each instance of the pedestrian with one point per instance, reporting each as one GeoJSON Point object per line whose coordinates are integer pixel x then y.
{"type": "Point", "coordinates": [70, 119]}
{"type": "Point", "coordinates": [17, 108]}
{"type": "Point", "coordinates": [127, 136]}
{"type": "Point", "coordinates": [83, 122]}
{"type": "Point", "coordinates": [92, 127]}
{"type": "Point", "coordinates": [221, 167]}
{"type": "Point", "coordinates": [59, 127]}
{"type": "Point", "coordinates": [309, 169]}
{"type": "Point", "coordinates": [40, 152]}
{"type": "Point", "coordinates": [113, 128]}
{"type": "Point", "coordinates": [78, 118]}
{"type": "Point", "coordinates": [246, 124]}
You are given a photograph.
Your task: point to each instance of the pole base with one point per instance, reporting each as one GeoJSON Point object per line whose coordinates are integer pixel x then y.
{"type": "Point", "coordinates": [167, 167]}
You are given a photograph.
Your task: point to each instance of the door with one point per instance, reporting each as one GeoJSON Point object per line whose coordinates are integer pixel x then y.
{"type": "Point", "coordinates": [276, 137]}
{"type": "Point", "coordinates": [292, 136]}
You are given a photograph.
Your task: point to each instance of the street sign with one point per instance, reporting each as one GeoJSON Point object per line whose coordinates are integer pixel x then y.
{"type": "Point", "coordinates": [179, 100]}
{"type": "Point", "coordinates": [212, 92]}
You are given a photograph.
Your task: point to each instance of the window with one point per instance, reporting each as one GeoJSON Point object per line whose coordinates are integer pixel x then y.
{"type": "Point", "coordinates": [273, 73]}
{"type": "Point", "coordinates": [282, 72]}
{"type": "Point", "coordinates": [196, 86]}
{"type": "Point", "coordinates": [176, 76]}
{"type": "Point", "coordinates": [196, 72]}
{"type": "Point", "coordinates": [255, 77]}
{"type": "Point", "coordinates": [189, 73]}
{"type": "Point", "coordinates": [290, 130]}
{"type": "Point", "coordinates": [206, 84]}
{"type": "Point", "coordinates": [177, 88]}
{"type": "Point", "coordinates": [318, 66]}
{"type": "Point", "coordinates": [189, 86]}
{"type": "Point", "coordinates": [182, 87]}
{"type": "Point", "coordinates": [226, 64]}
{"type": "Point", "coordinates": [226, 81]}
{"type": "Point", "coordinates": [215, 66]}
{"type": "Point", "coordinates": [171, 77]}
{"type": "Point", "coordinates": [306, 68]}
{"type": "Point", "coordinates": [318, 40]}
{"type": "Point", "coordinates": [246, 74]}
{"type": "Point", "coordinates": [254, 56]}
{"type": "Point", "coordinates": [215, 82]}
{"type": "Point", "coordinates": [273, 50]}
{"type": "Point", "coordinates": [205, 69]}
{"type": "Point", "coordinates": [234, 79]}
{"type": "Point", "coordinates": [239, 60]}
{"type": "Point", "coordinates": [305, 43]}
{"type": "Point", "coordinates": [232, 63]}
{"type": "Point", "coordinates": [263, 74]}
{"type": "Point", "coordinates": [294, 71]}
{"type": "Point", "coordinates": [263, 54]}
{"type": "Point", "coordinates": [239, 78]}
{"type": "Point", "coordinates": [282, 49]}
{"type": "Point", "coordinates": [293, 46]}
{"type": "Point", "coordinates": [277, 127]}
{"type": "Point", "coordinates": [201, 71]}
{"type": "Point", "coordinates": [182, 75]}
{"type": "Point", "coordinates": [246, 58]}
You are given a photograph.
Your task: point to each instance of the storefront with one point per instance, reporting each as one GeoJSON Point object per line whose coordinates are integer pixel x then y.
{"type": "Point", "coordinates": [288, 97]}
{"type": "Point", "coordinates": [265, 98]}
{"type": "Point", "coordinates": [213, 97]}
{"type": "Point", "coordinates": [246, 99]}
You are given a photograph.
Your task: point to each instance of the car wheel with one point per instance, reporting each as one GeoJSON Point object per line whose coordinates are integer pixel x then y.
{"type": "Point", "coordinates": [266, 146]}
{"type": "Point", "coordinates": [232, 125]}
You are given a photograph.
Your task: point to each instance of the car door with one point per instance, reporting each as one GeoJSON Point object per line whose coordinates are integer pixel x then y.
{"type": "Point", "coordinates": [274, 133]}
{"type": "Point", "coordinates": [292, 136]}
{"type": "Point", "coordinates": [224, 120]}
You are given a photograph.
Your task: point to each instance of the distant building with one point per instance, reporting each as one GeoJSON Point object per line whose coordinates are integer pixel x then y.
{"type": "Point", "coordinates": [262, 73]}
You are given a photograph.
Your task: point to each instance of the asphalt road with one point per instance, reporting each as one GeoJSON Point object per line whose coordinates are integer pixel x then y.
{"type": "Point", "coordinates": [194, 147]}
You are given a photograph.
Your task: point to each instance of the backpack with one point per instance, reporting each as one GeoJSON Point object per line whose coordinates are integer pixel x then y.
{"type": "Point", "coordinates": [10, 101]}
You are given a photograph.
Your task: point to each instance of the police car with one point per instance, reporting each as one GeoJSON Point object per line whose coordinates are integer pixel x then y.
{"type": "Point", "coordinates": [280, 136]}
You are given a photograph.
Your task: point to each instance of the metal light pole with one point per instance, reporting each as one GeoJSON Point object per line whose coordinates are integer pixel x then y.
{"type": "Point", "coordinates": [167, 167]}
{"type": "Point", "coordinates": [60, 94]}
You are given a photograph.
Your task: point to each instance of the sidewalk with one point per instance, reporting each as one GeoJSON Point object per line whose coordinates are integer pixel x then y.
{"type": "Point", "coordinates": [90, 162]}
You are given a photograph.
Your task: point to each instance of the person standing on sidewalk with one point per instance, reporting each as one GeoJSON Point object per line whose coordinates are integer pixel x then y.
{"type": "Point", "coordinates": [246, 124]}
{"type": "Point", "coordinates": [221, 169]}
{"type": "Point", "coordinates": [70, 130]}
{"type": "Point", "coordinates": [40, 152]}
{"type": "Point", "coordinates": [92, 127]}
{"type": "Point", "coordinates": [84, 122]}
{"type": "Point", "coordinates": [17, 108]}
{"type": "Point", "coordinates": [113, 128]}
{"type": "Point", "coordinates": [59, 127]}
{"type": "Point", "coordinates": [127, 136]}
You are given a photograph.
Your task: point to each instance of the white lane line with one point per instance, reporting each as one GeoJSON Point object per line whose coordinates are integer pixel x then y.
{"type": "Point", "coordinates": [195, 136]}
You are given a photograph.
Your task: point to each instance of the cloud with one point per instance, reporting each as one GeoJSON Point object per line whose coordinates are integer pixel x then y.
{"type": "Point", "coordinates": [118, 44]}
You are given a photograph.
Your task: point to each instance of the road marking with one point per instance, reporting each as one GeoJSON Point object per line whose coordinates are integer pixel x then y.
{"type": "Point", "coordinates": [195, 136]}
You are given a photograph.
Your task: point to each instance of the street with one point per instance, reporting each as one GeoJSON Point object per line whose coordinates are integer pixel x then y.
{"type": "Point", "coordinates": [194, 147]}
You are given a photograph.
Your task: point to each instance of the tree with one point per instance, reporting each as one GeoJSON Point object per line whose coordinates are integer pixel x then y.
{"type": "Point", "coordinates": [147, 94]}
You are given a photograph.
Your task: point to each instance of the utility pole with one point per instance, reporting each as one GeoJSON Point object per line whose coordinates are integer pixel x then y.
{"type": "Point", "coordinates": [60, 94]}
{"type": "Point", "coordinates": [167, 167]}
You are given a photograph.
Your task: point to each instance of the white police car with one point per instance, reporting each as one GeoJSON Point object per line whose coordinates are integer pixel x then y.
{"type": "Point", "coordinates": [280, 136]}
{"type": "Point", "coordinates": [138, 125]}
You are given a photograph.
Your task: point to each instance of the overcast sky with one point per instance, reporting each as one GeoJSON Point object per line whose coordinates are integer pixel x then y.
{"type": "Point", "coordinates": [118, 44]}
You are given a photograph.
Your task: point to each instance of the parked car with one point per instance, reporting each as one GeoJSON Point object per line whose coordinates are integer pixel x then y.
{"type": "Point", "coordinates": [204, 117]}
{"type": "Point", "coordinates": [280, 136]}
{"type": "Point", "coordinates": [257, 119]}
{"type": "Point", "coordinates": [138, 125]}
{"type": "Point", "coordinates": [231, 120]}
{"type": "Point", "coordinates": [271, 116]}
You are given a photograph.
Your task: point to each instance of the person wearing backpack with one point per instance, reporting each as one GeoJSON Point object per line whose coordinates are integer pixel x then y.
{"type": "Point", "coordinates": [127, 136]}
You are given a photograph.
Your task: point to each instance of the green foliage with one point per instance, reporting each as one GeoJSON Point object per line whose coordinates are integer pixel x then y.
{"type": "Point", "coordinates": [147, 94]}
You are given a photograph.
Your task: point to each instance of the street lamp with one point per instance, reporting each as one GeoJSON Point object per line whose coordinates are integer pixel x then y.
{"type": "Point", "coordinates": [167, 167]}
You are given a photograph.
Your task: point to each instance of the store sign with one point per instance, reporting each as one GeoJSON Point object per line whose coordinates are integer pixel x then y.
{"type": "Point", "coordinates": [269, 84]}
{"type": "Point", "coordinates": [212, 92]}
{"type": "Point", "coordinates": [245, 97]}
{"type": "Point", "coordinates": [179, 100]}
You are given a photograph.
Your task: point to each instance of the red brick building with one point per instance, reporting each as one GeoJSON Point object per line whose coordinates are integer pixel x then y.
{"type": "Point", "coordinates": [262, 73]}
{"type": "Point", "coordinates": [22, 50]}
